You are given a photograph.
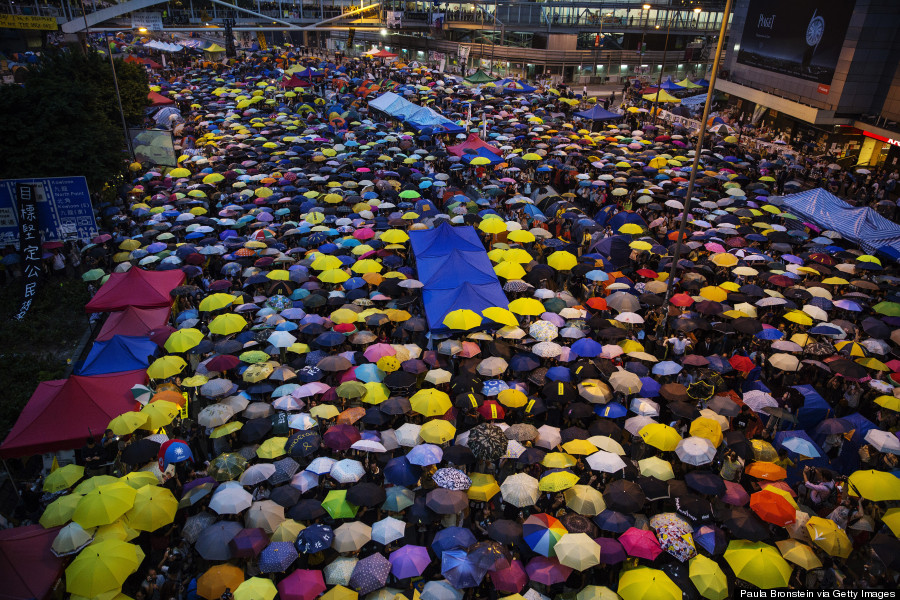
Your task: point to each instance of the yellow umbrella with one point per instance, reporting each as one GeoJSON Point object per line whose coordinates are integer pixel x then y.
{"type": "Point", "coordinates": [656, 467]}
{"type": "Point", "coordinates": [483, 488]}
{"type": "Point", "coordinates": [500, 315]}
{"type": "Point", "coordinates": [367, 266]}
{"type": "Point", "coordinates": [644, 583]}
{"type": "Point", "coordinates": [272, 448]}
{"type": "Point", "coordinates": [324, 411]}
{"type": "Point", "coordinates": [278, 275]}
{"type": "Point", "coordinates": [723, 259]}
{"type": "Point", "coordinates": [800, 554]}
{"type": "Point", "coordinates": [89, 485]}
{"type": "Point", "coordinates": [799, 317]}
{"type": "Point", "coordinates": [154, 507]}
{"type": "Point", "coordinates": [580, 447]}
{"type": "Point", "coordinates": [509, 270]}
{"type": "Point", "coordinates": [596, 592]}
{"type": "Point", "coordinates": [826, 534]}
{"type": "Point", "coordinates": [63, 478]}
{"type": "Point", "coordinates": [437, 431]}
{"type": "Point", "coordinates": [139, 479]}
{"type": "Point", "coordinates": [492, 226]}
{"type": "Point", "coordinates": [585, 500]}
{"type": "Point", "coordinates": [227, 324]}
{"type": "Point", "coordinates": [165, 367]}
{"type": "Point", "coordinates": [344, 315]}
{"type": "Point", "coordinates": [180, 172]}
{"type": "Point", "coordinates": [102, 567]}
{"type": "Point", "coordinates": [708, 429]}
{"type": "Point", "coordinates": [877, 486]}
{"type": "Point", "coordinates": [183, 340]}
{"type": "Point", "coordinates": [394, 236]}
{"type": "Point", "coordinates": [326, 262]}
{"type": "Point", "coordinates": [60, 511]}
{"type": "Point", "coordinates": [462, 319]}
{"type": "Point", "coordinates": [287, 531]}
{"type": "Point", "coordinates": [512, 398]}
{"type": "Point", "coordinates": [256, 588]}
{"type": "Point", "coordinates": [758, 563]}
{"type": "Point", "coordinates": [226, 429]}
{"type": "Point", "coordinates": [531, 156]}
{"type": "Point", "coordinates": [526, 306]}
{"type": "Point", "coordinates": [333, 276]}
{"type": "Point", "coordinates": [660, 436]}
{"type": "Point", "coordinates": [521, 236]}
{"type": "Point", "coordinates": [430, 402]}
{"type": "Point", "coordinates": [159, 414]}
{"type": "Point", "coordinates": [562, 260]}
{"type": "Point", "coordinates": [577, 551]}
{"type": "Point", "coordinates": [558, 460]}
{"type": "Point", "coordinates": [631, 229]}
{"type": "Point", "coordinates": [714, 293]}
{"type": "Point", "coordinates": [708, 578]}
{"type": "Point", "coordinates": [127, 423]}
{"type": "Point", "coordinates": [104, 504]}
{"type": "Point", "coordinates": [557, 481]}
{"type": "Point", "coordinates": [338, 592]}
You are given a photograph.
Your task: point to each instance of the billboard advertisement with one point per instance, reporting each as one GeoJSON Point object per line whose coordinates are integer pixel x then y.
{"type": "Point", "coordinates": [153, 146]}
{"type": "Point", "coordinates": [800, 38]}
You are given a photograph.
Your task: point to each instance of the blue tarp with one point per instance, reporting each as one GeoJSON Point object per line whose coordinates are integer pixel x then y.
{"type": "Point", "coordinates": [814, 410]}
{"type": "Point", "coordinates": [694, 100]}
{"type": "Point", "coordinates": [119, 353]}
{"type": "Point", "coordinates": [863, 226]}
{"type": "Point", "coordinates": [413, 114]}
{"type": "Point", "coordinates": [457, 273]}
{"type": "Point", "coordinates": [598, 113]}
{"type": "Point", "coordinates": [484, 153]}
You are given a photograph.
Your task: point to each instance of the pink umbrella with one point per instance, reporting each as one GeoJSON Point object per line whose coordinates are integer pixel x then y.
{"type": "Point", "coordinates": [640, 543]}
{"type": "Point", "coordinates": [611, 351]}
{"type": "Point", "coordinates": [546, 570]}
{"type": "Point", "coordinates": [714, 247]}
{"type": "Point", "coordinates": [510, 580]}
{"type": "Point", "coordinates": [469, 349]}
{"type": "Point", "coordinates": [364, 234]}
{"type": "Point", "coordinates": [378, 351]}
{"type": "Point", "coordinates": [735, 494]}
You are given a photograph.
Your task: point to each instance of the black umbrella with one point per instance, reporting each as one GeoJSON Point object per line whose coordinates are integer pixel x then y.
{"type": "Point", "coordinates": [306, 510]}
{"type": "Point", "coordinates": [285, 495]}
{"type": "Point", "coordinates": [212, 543]}
{"type": "Point", "coordinates": [653, 488]}
{"type": "Point", "coordinates": [705, 482]}
{"type": "Point", "coordinates": [459, 455]}
{"type": "Point", "coordinates": [140, 452]}
{"type": "Point", "coordinates": [505, 531]}
{"type": "Point", "coordinates": [303, 443]}
{"type": "Point", "coordinates": [487, 442]}
{"type": "Point", "coordinates": [744, 524]}
{"type": "Point", "coordinates": [624, 496]}
{"type": "Point", "coordinates": [694, 507]}
{"type": "Point", "coordinates": [614, 521]}
{"type": "Point", "coordinates": [366, 494]}
{"type": "Point", "coordinates": [255, 429]}
{"type": "Point", "coordinates": [395, 405]}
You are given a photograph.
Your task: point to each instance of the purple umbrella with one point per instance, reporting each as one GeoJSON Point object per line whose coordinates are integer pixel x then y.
{"type": "Point", "coordinates": [248, 542]}
{"type": "Point", "coordinates": [611, 551]}
{"type": "Point", "coordinates": [370, 574]}
{"type": "Point", "coordinates": [460, 571]}
{"type": "Point", "coordinates": [409, 561]}
{"type": "Point", "coordinates": [547, 570]}
{"type": "Point", "coordinates": [341, 437]}
{"type": "Point", "coordinates": [510, 580]}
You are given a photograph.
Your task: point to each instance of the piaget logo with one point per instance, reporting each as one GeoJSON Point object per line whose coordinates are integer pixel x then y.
{"type": "Point", "coordinates": [766, 22]}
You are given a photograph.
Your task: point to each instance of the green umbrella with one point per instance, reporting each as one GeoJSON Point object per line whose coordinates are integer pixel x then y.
{"type": "Point", "coordinates": [408, 194]}
{"type": "Point", "coordinates": [254, 356]}
{"type": "Point", "coordinates": [93, 275]}
{"type": "Point", "coordinates": [337, 506]}
{"type": "Point", "coordinates": [226, 467]}
{"type": "Point", "coordinates": [891, 309]}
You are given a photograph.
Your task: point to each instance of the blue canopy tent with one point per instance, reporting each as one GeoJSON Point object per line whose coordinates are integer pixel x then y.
{"type": "Point", "coordinates": [625, 216]}
{"type": "Point", "coordinates": [416, 116]}
{"type": "Point", "coordinates": [119, 353]}
{"type": "Point", "coordinates": [310, 72]}
{"type": "Point", "coordinates": [671, 86]}
{"type": "Point", "coordinates": [456, 273]}
{"type": "Point", "coordinates": [863, 226]}
{"type": "Point", "coordinates": [598, 113]}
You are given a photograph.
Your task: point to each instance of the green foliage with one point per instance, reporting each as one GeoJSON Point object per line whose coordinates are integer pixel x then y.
{"type": "Point", "coordinates": [37, 348]}
{"type": "Point", "coordinates": [65, 120]}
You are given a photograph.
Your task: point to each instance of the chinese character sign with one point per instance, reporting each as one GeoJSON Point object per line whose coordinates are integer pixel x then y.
{"type": "Point", "coordinates": [63, 205]}
{"type": "Point", "coordinates": [30, 244]}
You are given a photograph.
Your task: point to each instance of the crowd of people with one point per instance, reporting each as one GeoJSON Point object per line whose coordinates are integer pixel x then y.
{"type": "Point", "coordinates": [611, 432]}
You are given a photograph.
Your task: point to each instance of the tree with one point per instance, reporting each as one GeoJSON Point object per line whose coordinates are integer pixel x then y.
{"type": "Point", "coordinates": [65, 120]}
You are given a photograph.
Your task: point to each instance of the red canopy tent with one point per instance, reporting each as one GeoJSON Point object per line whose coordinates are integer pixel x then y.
{"type": "Point", "coordinates": [473, 142]}
{"type": "Point", "coordinates": [383, 54]}
{"type": "Point", "coordinates": [63, 412]}
{"type": "Point", "coordinates": [136, 287]}
{"type": "Point", "coordinates": [28, 569]}
{"type": "Point", "coordinates": [159, 100]}
{"type": "Point", "coordinates": [293, 82]}
{"type": "Point", "coordinates": [136, 322]}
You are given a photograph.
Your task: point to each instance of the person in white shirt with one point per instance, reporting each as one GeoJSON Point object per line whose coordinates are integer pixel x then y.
{"type": "Point", "coordinates": [679, 344]}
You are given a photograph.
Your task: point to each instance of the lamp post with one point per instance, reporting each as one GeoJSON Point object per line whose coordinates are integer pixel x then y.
{"type": "Point", "coordinates": [696, 164]}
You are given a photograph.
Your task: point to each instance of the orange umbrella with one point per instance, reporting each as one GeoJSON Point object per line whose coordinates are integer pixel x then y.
{"type": "Point", "coordinates": [168, 396]}
{"type": "Point", "coordinates": [351, 415]}
{"type": "Point", "coordinates": [773, 508]}
{"type": "Point", "coordinates": [211, 585]}
{"type": "Point", "coordinates": [766, 470]}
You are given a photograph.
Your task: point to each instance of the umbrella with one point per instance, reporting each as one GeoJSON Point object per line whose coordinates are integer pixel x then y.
{"type": "Point", "coordinates": [643, 583]}
{"type": "Point", "coordinates": [409, 561]}
{"type": "Point", "coordinates": [542, 532]}
{"type": "Point", "coordinates": [758, 563]}
{"type": "Point", "coordinates": [708, 578]}
{"type": "Point", "coordinates": [103, 567]}
{"type": "Point", "coordinates": [277, 557]}
{"type": "Point", "coordinates": [370, 573]}
{"type": "Point", "coordinates": [487, 442]}
{"type": "Point", "coordinates": [350, 537]}
{"type": "Point", "coordinates": [577, 551]}
{"type": "Point", "coordinates": [212, 543]}
{"type": "Point", "coordinates": [301, 584]}
{"type": "Point", "coordinates": [216, 580]}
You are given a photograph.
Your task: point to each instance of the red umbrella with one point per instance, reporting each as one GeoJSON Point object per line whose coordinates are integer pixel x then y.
{"type": "Point", "coordinates": [492, 410]}
{"type": "Point", "coordinates": [341, 437]}
{"type": "Point", "coordinates": [640, 543]}
{"type": "Point", "coordinates": [781, 281]}
{"type": "Point", "coordinates": [682, 300]}
{"type": "Point", "coordinates": [773, 508]}
{"type": "Point", "coordinates": [510, 580]}
{"type": "Point", "coordinates": [741, 363]}
{"type": "Point", "coordinates": [597, 303]}
{"type": "Point", "coordinates": [648, 273]}
{"type": "Point", "coordinates": [547, 570]}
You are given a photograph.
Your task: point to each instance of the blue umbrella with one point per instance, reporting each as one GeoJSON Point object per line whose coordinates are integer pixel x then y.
{"type": "Point", "coordinates": [666, 367]}
{"type": "Point", "coordinates": [370, 574]}
{"type": "Point", "coordinates": [649, 387]}
{"type": "Point", "coordinates": [597, 275]}
{"type": "Point", "coordinates": [424, 455]}
{"type": "Point", "coordinates": [314, 538]}
{"type": "Point", "coordinates": [369, 373]}
{"type": "Point", "coordinates": [559, 374]}
{"type": "Point", "coordinates": [492, 387]}
{"type": "Point", "coordinates": [399, 471]}
{"type": "Point", "coordinates": [459, 570]}
{"type": "Point", "coordinates": [277, 557]}
{"type": "Point", "coordinates": [770, 334]}
{"type": "Point", "coordinates": [452, 538]}
{"type": "Point", "coordinates": [718, 364]}
{"type": "Point", "coordinates": [524, 362]}
{"type": "Point", "coordinates": [610, 411]}
{"type": "Point", "coordinates": [616, 522]}
{"type": "Point", "coordinates": [586, 347]}
{"type": "Point", "coordinates": [711, 538]}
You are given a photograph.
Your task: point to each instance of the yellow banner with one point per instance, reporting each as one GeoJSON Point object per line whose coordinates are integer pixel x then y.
{"type": "Point", "coordinates": [261, 40]}
{"type": "Point", "coordinates": [27, 22]}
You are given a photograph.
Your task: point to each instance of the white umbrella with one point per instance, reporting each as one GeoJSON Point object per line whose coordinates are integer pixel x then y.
{"type": "Point", "coordinates": [629, 317]}
{"type": "Point", "coordinates": [625, 382]}
{"type": "Point", "coordinates": [407, 434]}
{"type": "Point", "coordinates": [215, 415]}
{"type": "Point", "coordinates": [321, 465]}
{"type": "Point", "coordinates": [577, 551]}
{"type": "Point", "coordinates": [548, 437]}
{"type": "Point", "coordinates": [605, 462]}
{"type": "Point", "coordinates": [281, 339]}
{"type": "Point", "coordinates": [230, 499]}
{"type": "Point", "coordinates": [302, 421]}
{"type": "Point", "coordinates": [883, 441]}
{"type": "Point", "coordinates": [635, 424]}
{"type": "Point", "coordinates": [757, 400]}
{"type": "Point", "coordinates": [514, 449]}
{"type": "Point", "coordinates": [339, 571]}
{"type": "Point", "coordinates": [595, 391]}
{"type": "Point", "coordinates": [815, 312]}
{"type": "Point", "coordinates": [257, 474]}
{"type": "Point", "coordinates": [520, 490]}
{"type": "Point", "coordinates": [438, 376]}
{"type": "Point", "coordinates": [265, 514]}
{"type": "Point", "coordinates": [644, 407]}
{"type": "Point", "coordinates": [604, 442]}
{"type": "Point", "coordinates": [388, 530]}
{"type": "Point", "coordinates": [547, 349]}
{"type": "Point", "coordinates": [347, 471]}
{"type": "Point", "coordinates": [304, 481]}
{"type": "Point", "coordinates": [695, 451]}
{"type": "Point", "coordinates": [350, 537]}
{"type": "Point", "coordinates": [368, 446]}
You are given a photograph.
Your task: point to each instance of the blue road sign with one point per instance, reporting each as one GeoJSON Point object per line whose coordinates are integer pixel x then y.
{"type": "Point", "coordinates": [64, 210]}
